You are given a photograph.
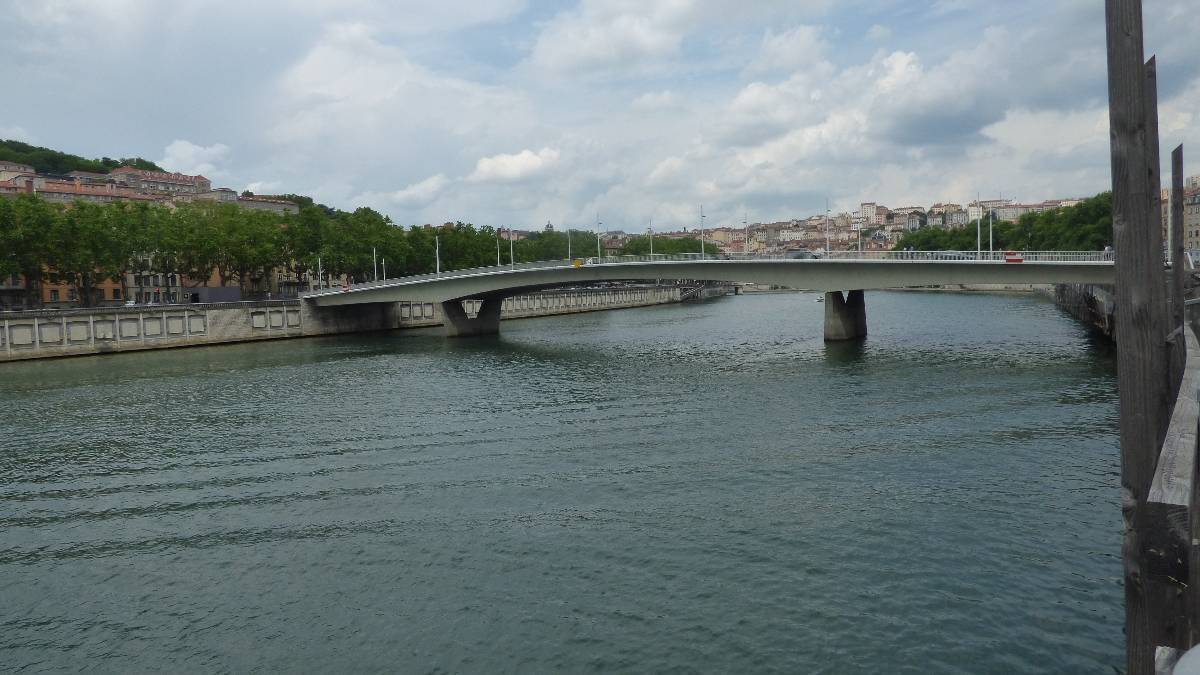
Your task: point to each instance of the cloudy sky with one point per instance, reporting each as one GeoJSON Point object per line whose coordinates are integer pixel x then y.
{"type": "Point", "coordinates": [515, 112]}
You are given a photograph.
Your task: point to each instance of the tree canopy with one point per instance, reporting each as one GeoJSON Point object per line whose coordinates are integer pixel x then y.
{"type": "Point", "coordinates": [85, 243]}
{"type": "Point", "coordinates": [1087, 226]}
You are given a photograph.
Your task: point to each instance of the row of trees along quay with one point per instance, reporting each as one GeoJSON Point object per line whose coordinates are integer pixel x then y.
{"type": "Point", "coordinates": [85, 243]}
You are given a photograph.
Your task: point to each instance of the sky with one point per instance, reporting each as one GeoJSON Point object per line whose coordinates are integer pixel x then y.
{"type": "Point", "coordinates": [517, 113]}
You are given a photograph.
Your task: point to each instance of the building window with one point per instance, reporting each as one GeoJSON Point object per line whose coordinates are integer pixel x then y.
{"type": "Point", "coordinates": [54, 296]}
{"type": "Point", "coordinates": [116, 294]}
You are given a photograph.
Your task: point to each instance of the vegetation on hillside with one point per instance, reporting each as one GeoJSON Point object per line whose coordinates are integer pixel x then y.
{"type": "Point", "coordinates": [45, 160]}
{"type": "Point", "coordinates": [641, 246]}
{"type": "Point", "coordinates": [1087, 226]}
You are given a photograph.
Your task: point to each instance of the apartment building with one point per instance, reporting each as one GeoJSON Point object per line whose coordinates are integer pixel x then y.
{"type": "Point", "coordinates": [160, 182]}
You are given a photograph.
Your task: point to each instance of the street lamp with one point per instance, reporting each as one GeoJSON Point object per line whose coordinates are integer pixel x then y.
{"type": "Point", "coordinates": [978, 228]}
{"type": "Point", "coordinates": [650, 231]}
{"type": "Point", "coordinates": [746, 231]}
{"type": "Point", "coordinates": [702, 232]}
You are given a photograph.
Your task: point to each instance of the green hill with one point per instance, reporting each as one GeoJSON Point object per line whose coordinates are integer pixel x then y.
{"type": "Point", "coordinates": [45, 160]}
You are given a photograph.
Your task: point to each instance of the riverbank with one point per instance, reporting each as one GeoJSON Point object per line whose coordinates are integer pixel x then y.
{"type": "Point", "coordinates": [43, 334]}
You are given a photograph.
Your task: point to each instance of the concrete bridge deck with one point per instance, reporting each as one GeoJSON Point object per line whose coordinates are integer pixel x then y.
{"type": "Point", "coordinates": [853, 271]}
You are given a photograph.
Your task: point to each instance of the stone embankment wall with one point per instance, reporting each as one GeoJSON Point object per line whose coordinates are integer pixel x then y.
{"type": "Point", "coordinates": [1092, 304]}
{"type": "Point", "coordinates": [51, 333]}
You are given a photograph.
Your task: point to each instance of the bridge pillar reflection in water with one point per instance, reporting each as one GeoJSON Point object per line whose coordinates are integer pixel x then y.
{"type": "Point", "coordinates": [485, 322]}
{"type": "Point", "coordinates": [845, 317]}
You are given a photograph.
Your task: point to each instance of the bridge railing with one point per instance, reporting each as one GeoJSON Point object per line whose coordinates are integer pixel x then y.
{"type": "Point", "coordinates": [984, 256]}
{"type": "Point", "coordinates": [898, 256]}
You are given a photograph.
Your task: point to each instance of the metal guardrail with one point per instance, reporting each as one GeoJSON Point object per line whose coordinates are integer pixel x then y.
{"type": "Point", "coordinates": [989, 257]}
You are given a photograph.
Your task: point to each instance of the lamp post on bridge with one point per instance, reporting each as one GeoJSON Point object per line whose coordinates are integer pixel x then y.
{"type": "Point", "coordinates": [437, 255]}
{"type": "Point", "coordinates": [746, 231]}
{"type": "Point", "coordinates": [598, 224]}
{"type": "Point", "coordinates": [978, 231]}
{"type": "Point", "coordinates": [702, 232]}
{"type": "Point", "coordinates": [990, 246]}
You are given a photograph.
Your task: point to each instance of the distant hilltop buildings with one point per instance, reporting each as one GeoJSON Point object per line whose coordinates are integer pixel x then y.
{"type": "Point", "coordinates": [127, 183]}
{"type": "Point", "coordinates": [878, 227]}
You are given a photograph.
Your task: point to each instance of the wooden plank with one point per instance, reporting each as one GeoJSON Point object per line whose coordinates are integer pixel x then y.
{"type": "Point", "coordinates": [1167, 538]}
{"type": "Point", "coordinates": [1141, 304]}
{"type": "Point", "coordinates": [1176, 468]}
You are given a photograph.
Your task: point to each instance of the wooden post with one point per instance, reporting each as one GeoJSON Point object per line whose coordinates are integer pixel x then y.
{"type": "Point", "coordinates": [1178, 268]}
{"type": "Point", "coordinates": [1141, 306]}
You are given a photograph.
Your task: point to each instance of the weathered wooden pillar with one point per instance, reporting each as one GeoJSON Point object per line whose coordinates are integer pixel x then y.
{"type": "Point", "coordinates": [1179, 267]}
{"type": "Point", "coordinates": [1141, 307]}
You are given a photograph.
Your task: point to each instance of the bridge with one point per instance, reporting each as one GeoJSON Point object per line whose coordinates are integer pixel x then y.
{"type": "Point", "coordinates": [845, 314]}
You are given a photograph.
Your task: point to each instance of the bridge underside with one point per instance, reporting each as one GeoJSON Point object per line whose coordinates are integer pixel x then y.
{"type": "Point", "coordinates": [485, 322]}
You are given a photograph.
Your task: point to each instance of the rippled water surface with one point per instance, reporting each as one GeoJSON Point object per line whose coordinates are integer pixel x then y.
{"type": "Point", "coordinates": [683, 488]}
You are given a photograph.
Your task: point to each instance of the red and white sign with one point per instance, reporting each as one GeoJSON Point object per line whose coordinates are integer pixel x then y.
{"type": "Point", "coordinates": [1014, 257]}
{"type": "Point", "coordinates": [345, 288]}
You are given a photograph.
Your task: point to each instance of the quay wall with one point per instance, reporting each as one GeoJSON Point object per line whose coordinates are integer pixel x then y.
{"type": "Point", "coordinates": [101, 330]}
{"type": "Point", "coordinates": [1093, 304]}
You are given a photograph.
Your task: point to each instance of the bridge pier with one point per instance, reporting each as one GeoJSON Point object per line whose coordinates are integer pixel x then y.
{"type": "Point", "coordinates": [845, 317]}
{"type": "Point", "coordinates": [486, 321]}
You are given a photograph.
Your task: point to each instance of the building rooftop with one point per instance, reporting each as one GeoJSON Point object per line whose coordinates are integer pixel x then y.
{"type": "Point", "coordinates": [161, 176]}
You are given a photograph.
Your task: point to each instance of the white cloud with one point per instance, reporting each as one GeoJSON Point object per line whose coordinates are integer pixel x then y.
{"type": "Point", "coordinates": [264, 186]}
{"type": "Point", "coordinates": [412, 17]}
{"type": "Point", "coordinates": [655, 100]}
{"type": "Point", "coordinates": [611, 33]}
{"type": "Point", "coordinates": [513, 168]}
{"type": "Point", "coordinates": [878, 32]}
{"type": "Point", "coordinates": [794, 49]}
{"type": "Point", "coordinates": [187, 157]}
{"type": "Point", "coordinates": [422, 193]}
{"type": "Point", "coordinates": [666, 171]}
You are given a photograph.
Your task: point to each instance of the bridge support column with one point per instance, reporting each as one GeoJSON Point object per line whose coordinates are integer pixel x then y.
{"type": "Point", "coordinates": [486, 321]}
{"type": "Point", "coordinates": [845, 317]}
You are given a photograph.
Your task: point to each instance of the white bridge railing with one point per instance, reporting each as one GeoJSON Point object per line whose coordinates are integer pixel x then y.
{"type": "Point", "coordinates": [988, 257]}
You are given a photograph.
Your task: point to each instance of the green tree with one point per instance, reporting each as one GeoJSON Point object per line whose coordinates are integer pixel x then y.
{"type": "Point", "coordinates": [26, 226]}
{"type": "Point", "coordinates": [87, 247]}
{"type": "Point", "coordinates": [1086, 226]}
{"type": "Point", "coordinates": [641, 246]}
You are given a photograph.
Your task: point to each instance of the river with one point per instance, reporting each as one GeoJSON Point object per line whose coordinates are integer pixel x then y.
{"type": "Point", "coordinates": [685, 488]}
